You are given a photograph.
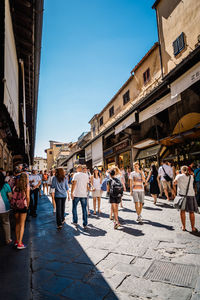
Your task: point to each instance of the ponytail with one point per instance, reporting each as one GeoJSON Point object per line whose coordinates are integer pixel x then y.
{"type": "Point", "coordinates": [185, 170]}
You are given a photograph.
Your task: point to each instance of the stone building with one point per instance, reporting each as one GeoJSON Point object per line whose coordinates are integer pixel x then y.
{"type": "Point", "coordinates": [40, 163]}
{"type": "Point", "coordinates": [20, 47]}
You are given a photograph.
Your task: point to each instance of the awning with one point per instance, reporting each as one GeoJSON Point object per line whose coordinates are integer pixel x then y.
{"type": "Point", "coordinates": [124, 124]}
{"type": "Point", "coordinates": [185, 81]}
{"type": "Point", "coordinates": [88, 153]}
{"type": "Point", "coordinates": [69, 165]}
{"type": "Point", "coordinates": [157, 107]}
{"type": "Point", "coordinates": [97, 152]}
{"type": "Point", "coordinates": [145, 143]}
{"type": "Point", "coordinates": [152, 151]}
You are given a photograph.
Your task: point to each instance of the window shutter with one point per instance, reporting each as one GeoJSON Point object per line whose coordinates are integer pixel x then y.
{"type": "Point", "coordinates": [175, 46]}
{"type": "Point", "coordinates": [181, 42]}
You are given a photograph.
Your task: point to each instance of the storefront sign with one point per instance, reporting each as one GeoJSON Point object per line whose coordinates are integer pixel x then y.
{"type": "Point", "coordinates": [121, 146]}
{"type": "Point", "coordinates": [108, 152]}
{"type": "Point", "coordinates": [185, 81]}
{"type": "Point", "coordinates": [157, 107]}
{"type": "Point", "coordinates": [124, 124]}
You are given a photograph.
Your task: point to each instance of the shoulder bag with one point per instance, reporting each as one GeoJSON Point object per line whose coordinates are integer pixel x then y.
{"type": "Point", "coordinates": [166, 176]}
{"type": "Point", "coordinates": [178, 201]}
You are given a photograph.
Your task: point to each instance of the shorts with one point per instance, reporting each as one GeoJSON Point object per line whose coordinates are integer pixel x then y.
{"type": "Point", "coordinates": [44, 182]}
{"type": "Point", "coordinates": [51, 190]}
{"type": "Point", "coordinates": [21, 210]}
{"type": "Point", "coordinates": [138, 196]}
{"type": "Point", "coordinates": [115, 200]}
{"type": "Point", "coordinates": [166, 184]}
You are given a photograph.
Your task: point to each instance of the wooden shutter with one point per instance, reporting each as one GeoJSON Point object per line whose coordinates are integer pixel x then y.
{"type": "Point", "coordinates": [175, 46]}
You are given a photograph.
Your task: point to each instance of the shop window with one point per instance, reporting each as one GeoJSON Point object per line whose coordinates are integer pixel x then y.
{"type": "Point", "coordinates": [126, 97]}
{"type": "Point", "coordinates": [179, 44]}
{"type": "Point", "coordinates": [101, 121]}
{"type": "Point", "coordinates": [111, 111]}
{"type": "Point", "coordinates": [146, 76]}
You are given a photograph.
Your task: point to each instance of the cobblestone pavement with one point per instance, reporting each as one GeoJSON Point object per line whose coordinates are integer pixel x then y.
{"type": "Point", "coordinates": [155, 260]}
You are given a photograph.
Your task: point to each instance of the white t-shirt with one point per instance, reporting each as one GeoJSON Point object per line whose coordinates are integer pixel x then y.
{"type": "Point", "coordinates": [182, 183]}
{"type": "Point", "coordinates": [82, 181]}
{"type": "Point", "coordinates": [138, 185]}
{"type": "Point", "coordinates": [168, 170]}
{"type": "Point", "coordinates": [36, 178]}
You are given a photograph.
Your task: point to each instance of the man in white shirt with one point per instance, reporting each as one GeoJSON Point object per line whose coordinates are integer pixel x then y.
{"type": "Point", "coordinates": [79, 191]}
{"type": "Point", "coordinates": [35, 182]}
{"type": "Point", "coordinates": [165, 173]}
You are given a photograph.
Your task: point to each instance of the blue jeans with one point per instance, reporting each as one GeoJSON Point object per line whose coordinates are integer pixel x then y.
{"type": "Point", "coordinates": [84, 210]}
{"type": "Point", "coordinates": [198, 192]}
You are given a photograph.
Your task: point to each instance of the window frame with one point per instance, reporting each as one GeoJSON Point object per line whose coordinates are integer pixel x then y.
{"type": "Point", "coordinates": [179, 44]}
{"type": "Point", "coordinates": [101, 121]}
{"type": "Point", "coordinates": [111, 111]}
{"type": "Point", "coordinates": [146, 78]}
{"type": "Point", "coordinates": [126, 99]}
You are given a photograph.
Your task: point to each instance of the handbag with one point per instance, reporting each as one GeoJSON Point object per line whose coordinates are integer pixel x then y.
{"type": "Point", "coordinates": [178, 201]}
{"type": "Point", "coordinates": [166, 176]}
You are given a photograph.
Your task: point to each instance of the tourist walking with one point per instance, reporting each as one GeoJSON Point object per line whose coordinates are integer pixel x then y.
{"type": "Point", "coordinates": [52, 190]}
{"type": "Point", "coordinates": [137, 181]}
{"type": "Point", "coordinates": [165, 174]}
{"type": "Point", "coordinates": [5, 196]}
{"type": "Point", "coordinates": [153, 180]}
{"type": "Point", "coordinates": [184, 182]}
{"type": "Point", "coordinates": [45, 177]}
{"type": "Point", "coordinates": [60, 184]}
{"type": "Point", "coordinates": [20, 203]}
{"type": "Point", "coordinates": [79, 191]}
{"type": "Point", "coordinates": [96, 181]}
{"type": "Point", "coordinates": [35, 183]}
{"type": "Point", "coordinates": [115, 191]}
{"type": "Point", "coordinates": [87, 172]}
{"type": "Point", "coordinates": [197, 183]}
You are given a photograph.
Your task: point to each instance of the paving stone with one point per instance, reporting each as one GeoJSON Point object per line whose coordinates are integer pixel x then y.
{"type": "Point", "coordinates": [39, 277]}
{"type": "Point", "coordinates": [197, 287]}
{"type": "Point", "coordinates": [145, 288]}
{"type": "Point", "coordinates": [113, 259]}
{"type": "Point", "coordinates": [55, 285]}
{"type": "Point", "coordinates": [195, 297]}
{"type": "Point", "coordinates": [82, 291]}
{"type": "Point", "coordinates": [74, 271]}
{"type": "Point", "coordinates": [92, 256]}
{"type": "Point", "coordinates": [188, 259]}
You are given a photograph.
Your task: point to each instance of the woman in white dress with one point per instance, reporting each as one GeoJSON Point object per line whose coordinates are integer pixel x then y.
{"type": "Point", "coordinates": [96, 181]}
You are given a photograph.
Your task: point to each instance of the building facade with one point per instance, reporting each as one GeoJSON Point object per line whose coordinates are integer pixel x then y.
{"type": "Point", "coordinates": [19, 77]}
{"type": "Point", "coordinates": [40, 163]}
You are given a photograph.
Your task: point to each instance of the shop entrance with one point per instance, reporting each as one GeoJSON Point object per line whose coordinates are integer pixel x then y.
{"type": "Point", "coordinates": [124, 160]}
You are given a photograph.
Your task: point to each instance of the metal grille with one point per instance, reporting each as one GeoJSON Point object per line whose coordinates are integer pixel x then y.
{"type": "Point", "coordinates": [177, 274]}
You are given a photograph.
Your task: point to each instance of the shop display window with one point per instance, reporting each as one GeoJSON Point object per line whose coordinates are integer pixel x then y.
{"type": "Point", "coordinates": [124, 160]}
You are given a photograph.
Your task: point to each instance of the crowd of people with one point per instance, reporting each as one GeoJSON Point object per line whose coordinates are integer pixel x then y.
{"type": "Point", "coordinates": [21, 189]}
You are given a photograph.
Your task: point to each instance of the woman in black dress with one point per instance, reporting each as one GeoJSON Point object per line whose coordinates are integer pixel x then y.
{"type": "Point", "coordinates": [153, 179]}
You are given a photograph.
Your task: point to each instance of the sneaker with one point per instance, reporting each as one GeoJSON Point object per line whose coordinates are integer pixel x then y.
{"type": "Point", "coordinates": [75, 224]}
{"type": "Point", "coordinates": [140, 219]}
{"type": "Point", "coordinates": [54, 210]}
{"type": "Point", "coordinates": [85, 227]}
{"type": "Point", "coordinates": [16, 243]}
{"type": "Point", "coordinates": [21, 246]}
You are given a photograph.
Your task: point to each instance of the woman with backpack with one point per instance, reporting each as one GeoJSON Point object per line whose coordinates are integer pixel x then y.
{"type": "Point", "coordinates": [115, 191]}
{"type": "Point", "coordinates": [5, 196]}
{"type": "Point", "coordinates": [20, 203]}
{"type": "Point", "coordinates": [96, 181]}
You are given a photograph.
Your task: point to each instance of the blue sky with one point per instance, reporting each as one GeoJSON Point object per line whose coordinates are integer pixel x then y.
{"type": "Point", "coordinates": [89, 48]}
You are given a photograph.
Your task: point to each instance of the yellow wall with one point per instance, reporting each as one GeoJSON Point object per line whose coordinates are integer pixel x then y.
{"type": "Point", "coordinates": [50, 159]}
{"type": "Point", "coordinates": [175, 17]}
{"type": "Point", "coordinates": [137, 89]}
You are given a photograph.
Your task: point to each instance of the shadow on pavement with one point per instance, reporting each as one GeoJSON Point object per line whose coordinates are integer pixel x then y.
{"type": "Point", "coordinates": [151, 208]}
{"type": "Point", "coordinates": [156, 224]}
{"type": "Point", "coordinates": [131, 231]}
{"type": "Point", "coordinates": [60, 268]}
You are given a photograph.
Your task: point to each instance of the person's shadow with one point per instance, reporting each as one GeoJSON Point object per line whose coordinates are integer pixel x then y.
{"type": "Point", "coordinates": [131, 231]}
{"type": "Point", "coordinates": [92, 230]}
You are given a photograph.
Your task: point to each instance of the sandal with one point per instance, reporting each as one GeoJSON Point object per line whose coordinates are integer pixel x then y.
{"type": "Point", "coordinates": [117, 225]}
{"type": "Point", "coordinates": [8, 242]}
{"type": "Point", "coordinates": [195, 230]}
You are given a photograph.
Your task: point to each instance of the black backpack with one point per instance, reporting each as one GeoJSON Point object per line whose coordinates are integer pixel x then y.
{"type": "Point", "coordinates": [116, 188]}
